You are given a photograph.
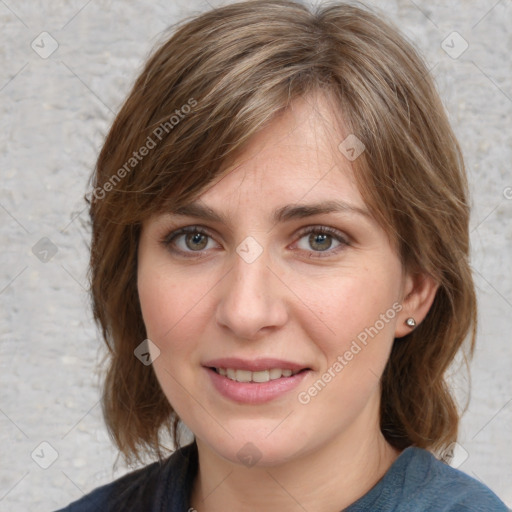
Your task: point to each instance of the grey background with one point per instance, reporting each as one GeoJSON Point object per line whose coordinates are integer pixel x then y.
{"type": "Point", "coordinates": [54, 113]}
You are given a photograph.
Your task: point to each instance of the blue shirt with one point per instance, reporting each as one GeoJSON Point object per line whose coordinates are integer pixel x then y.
{"type": "Point", "coordinates": [415, 482]}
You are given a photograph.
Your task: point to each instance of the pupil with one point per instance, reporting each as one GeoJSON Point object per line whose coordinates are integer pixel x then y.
{"type": "Point", "coordinates": [196, 240]}
{"type": "Point", "coordinates": [323, 237]}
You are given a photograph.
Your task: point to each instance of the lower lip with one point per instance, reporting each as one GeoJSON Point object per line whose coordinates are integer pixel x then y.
{"type": "Point", "coordinates": [254, 392]}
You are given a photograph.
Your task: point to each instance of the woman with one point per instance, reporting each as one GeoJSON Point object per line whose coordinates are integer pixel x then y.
{"type": "Point", "coordinates": [280, 262]}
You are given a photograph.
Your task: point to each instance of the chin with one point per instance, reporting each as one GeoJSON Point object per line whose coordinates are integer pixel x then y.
{"type": "Point", "coordinates": [255, 450]}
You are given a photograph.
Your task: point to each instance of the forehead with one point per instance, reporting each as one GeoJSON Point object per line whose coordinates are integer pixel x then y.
{"type": "Point", "coordinates": [294, 158]}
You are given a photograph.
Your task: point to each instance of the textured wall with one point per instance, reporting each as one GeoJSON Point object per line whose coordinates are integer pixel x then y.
{"type": "Point", "coordinates": [58, 95]}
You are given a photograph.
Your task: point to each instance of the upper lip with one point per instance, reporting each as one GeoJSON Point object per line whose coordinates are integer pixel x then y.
{"type": "Point", "coordinates": [254, 365]}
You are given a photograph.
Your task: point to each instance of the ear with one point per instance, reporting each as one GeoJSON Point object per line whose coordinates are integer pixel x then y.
{"type": "Point", "coordinates": [419, 291]}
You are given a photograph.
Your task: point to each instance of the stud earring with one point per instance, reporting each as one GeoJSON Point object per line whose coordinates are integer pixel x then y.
{"type": "Point", "coordinates": [411, 322]}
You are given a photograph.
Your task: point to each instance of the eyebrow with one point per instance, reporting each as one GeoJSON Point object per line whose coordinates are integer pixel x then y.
{"type": "Point", "coordinates": [283, 214]}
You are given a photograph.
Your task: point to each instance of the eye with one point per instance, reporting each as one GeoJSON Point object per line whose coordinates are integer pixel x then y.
{"type": "Point", "coordinates": [189, 239]}
{"type": "Point", "coordinates": [320, 239]}
{"type": "Point", "coordinates": [195, 239]}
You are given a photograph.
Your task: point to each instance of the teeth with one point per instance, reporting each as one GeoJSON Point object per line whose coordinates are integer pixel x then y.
{"type": "Point", "coordinates": [243, 376]}
{"type": "Point", "coordinates": [275, 373]}
{"type": "Point", "coordinates": [261, 376]}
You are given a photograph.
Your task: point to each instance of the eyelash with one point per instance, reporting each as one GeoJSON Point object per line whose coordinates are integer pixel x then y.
{"type": "Point", "coordinates": [320, 230]}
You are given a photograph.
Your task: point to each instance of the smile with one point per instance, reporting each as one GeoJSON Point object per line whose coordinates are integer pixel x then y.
{"type": "Point", "coordinates": [258, 376]}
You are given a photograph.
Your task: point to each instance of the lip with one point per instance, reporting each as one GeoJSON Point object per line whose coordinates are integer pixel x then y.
{"type": "Point", "coordinates": [254, 365]}
{"type": "Point", "coordinates": [254, 393]}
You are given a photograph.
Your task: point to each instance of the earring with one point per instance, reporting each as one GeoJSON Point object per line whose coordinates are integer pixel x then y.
{"type": "Point", "coordinates": [411, 322]}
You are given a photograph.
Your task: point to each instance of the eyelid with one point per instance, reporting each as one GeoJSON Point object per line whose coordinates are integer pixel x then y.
{"type": "Point", "coordinates": [321, 228]}
{"type": "Point", "coordinates": [167, 239]}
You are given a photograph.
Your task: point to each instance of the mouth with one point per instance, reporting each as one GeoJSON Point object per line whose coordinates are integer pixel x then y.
{"type": "Point", "coordinates": [260, 376]}
{"type": "Point", "coordinates": [255, 380]}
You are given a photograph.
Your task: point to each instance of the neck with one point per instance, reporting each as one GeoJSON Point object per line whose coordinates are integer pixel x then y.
{"type": "Point", "coordinates": [331, 477]}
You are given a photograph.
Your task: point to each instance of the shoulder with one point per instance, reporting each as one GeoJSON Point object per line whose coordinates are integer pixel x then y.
{"type": "Point", "coordinates": [143, 480]}
{"type": "Point", "coordinates": [435, 485]}
{"type": "Point", "coordinates": [145, 489]}
{"type": "Point", "coordinates": [419, 481]}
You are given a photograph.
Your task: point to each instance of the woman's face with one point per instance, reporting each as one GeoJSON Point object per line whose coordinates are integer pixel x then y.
{"type": "Point", "coordinates": [274, 286]}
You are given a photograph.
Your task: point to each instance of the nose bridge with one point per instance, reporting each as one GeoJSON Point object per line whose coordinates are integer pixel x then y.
{"type": "Point", "coordinates": [250, 300]}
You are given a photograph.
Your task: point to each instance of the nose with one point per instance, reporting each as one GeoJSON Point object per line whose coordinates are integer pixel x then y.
{"type": "Point", "coordinates": [252, 298]}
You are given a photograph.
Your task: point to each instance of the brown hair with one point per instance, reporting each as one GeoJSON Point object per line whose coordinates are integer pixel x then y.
{"type": "Point", "coordinates": [216, 82]}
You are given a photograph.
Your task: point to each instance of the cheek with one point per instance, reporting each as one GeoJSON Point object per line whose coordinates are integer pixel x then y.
{"type": "Point", "coordinates": [173, 305]}
{"type": "Point", "coordinates": [169, 311]}
{"type": "Point", "coordinates": [357, 335]}
{"type": "Point", "coordinates": [354, 303]}
{"type": "Point", "coordinates": [157, 304]}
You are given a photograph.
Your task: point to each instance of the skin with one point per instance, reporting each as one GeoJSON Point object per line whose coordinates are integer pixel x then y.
{"type": "Point", "coordinates": [295, 302]}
